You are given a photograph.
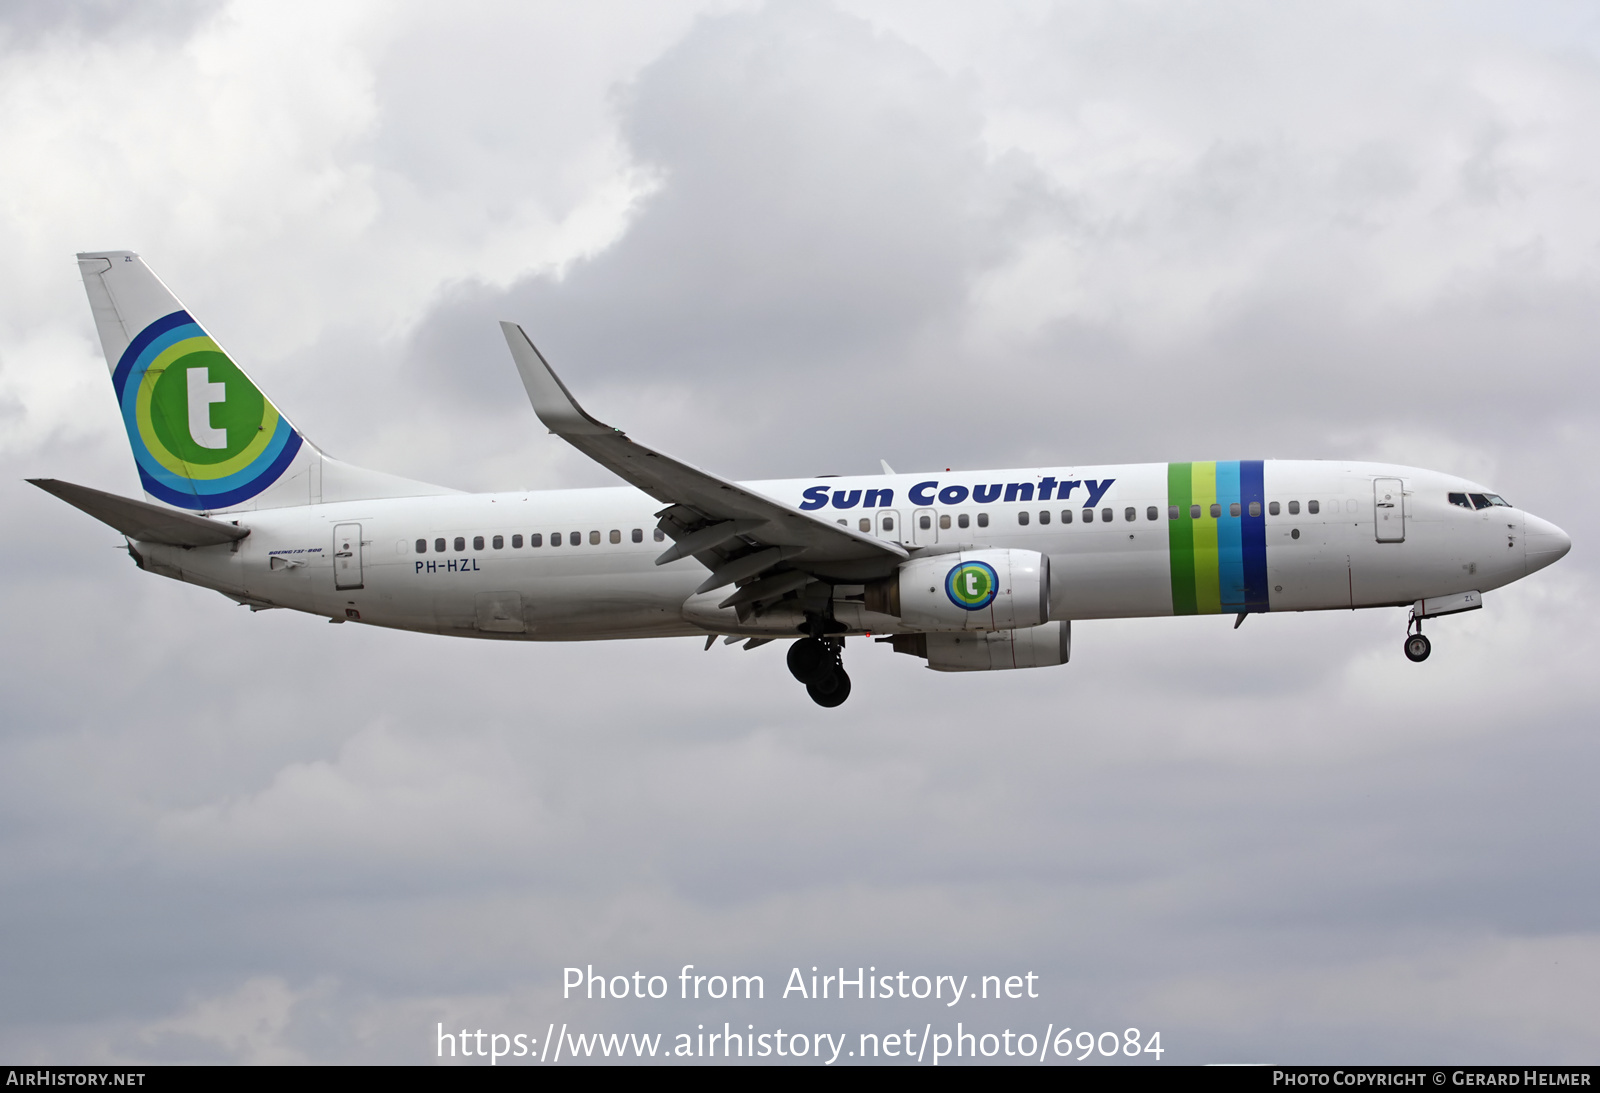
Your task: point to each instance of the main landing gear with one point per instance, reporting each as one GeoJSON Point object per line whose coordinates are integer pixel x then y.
{"type": "Point", "coordinates": [817, 662]}
{"type": "Point", "coordinates": [1417, 646]}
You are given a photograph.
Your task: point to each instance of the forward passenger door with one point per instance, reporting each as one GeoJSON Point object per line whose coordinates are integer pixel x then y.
{"type": "Point", "coordinates": [1389, 509]}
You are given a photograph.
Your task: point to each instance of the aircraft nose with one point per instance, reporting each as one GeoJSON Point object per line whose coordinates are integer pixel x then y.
{"type": "Point", "coordinates": [1544, 543]}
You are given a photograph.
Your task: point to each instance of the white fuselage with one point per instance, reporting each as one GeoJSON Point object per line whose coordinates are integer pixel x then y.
{"type": "Point", "coordinates": [601, 581]}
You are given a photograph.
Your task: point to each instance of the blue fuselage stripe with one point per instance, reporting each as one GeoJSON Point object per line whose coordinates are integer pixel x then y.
{"type": "Point", "coordinates": [1253, 529]}
{"type": "Point", "coordinates": [1230, 551]}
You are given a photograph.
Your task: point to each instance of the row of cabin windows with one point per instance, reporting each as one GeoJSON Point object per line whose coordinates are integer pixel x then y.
{"type": "Point", "coordinates": [1107, 515]}
{"type": "Point", "coordinates": [536, 539]}
{"type": "Point", "coordinates": [925, 522]}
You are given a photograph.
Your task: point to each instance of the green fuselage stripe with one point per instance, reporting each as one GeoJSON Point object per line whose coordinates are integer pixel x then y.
{"type": "Point", "coordinates": [1180, 540]}
{"type": "Point", "coordinates": [1192, 540]}
{"type": "Point", "coordinates": [1203, 490]}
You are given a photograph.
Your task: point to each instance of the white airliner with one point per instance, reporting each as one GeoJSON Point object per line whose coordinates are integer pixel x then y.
{"type": "Point", "coordinates": [969, 570]}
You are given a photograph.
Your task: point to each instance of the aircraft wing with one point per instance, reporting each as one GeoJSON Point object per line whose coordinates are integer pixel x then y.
{"type": "Point", "coordinates": [141, 520]}
{"type": "Point", "coordinates": [745, 538]}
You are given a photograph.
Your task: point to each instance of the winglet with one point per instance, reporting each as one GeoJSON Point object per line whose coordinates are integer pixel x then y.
{"type": "Point", "coordinates": [551, 400]}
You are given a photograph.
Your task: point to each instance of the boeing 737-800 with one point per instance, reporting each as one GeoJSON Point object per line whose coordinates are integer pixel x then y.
{"type": "Point", "coordinates": [970, 571]}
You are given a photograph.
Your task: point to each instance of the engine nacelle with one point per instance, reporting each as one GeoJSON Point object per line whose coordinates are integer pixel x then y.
{"type": "Point", "coordinates": [990, 650]}
{"type": "Point", "coordinates": [969, 590]}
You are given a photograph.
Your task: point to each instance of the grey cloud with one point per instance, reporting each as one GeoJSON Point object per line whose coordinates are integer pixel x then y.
{"type": "Point", "coordinates": [26, 22]}
{"type": "Point", "coordinates": [823, 198]}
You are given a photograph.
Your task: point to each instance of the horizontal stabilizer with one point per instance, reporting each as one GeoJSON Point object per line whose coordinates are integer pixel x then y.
{"type": "Point", "coordinates": [143, 521]}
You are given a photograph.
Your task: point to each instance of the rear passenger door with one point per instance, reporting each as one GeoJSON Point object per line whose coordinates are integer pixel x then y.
{"type": "Point", "coordinates": [347, 556]}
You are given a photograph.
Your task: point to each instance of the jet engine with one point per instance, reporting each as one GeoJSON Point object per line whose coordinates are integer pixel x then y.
{"type": "Point", "coordinates": [969, 590]}
{"type": "Point", "coordinates": [990, 650]}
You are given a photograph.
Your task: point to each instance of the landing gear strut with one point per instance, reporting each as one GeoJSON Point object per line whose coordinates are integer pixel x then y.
{"type": "Point", "coordinates": [1417, 646]}
{"type": "Point", "coordinates": [817, 662]}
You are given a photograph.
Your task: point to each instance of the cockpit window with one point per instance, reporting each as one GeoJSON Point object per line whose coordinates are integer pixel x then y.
{"type": "Point", "coordinates": [1460, 499]}
{"type": "Point", "coordinates": [1494, 499]}
{"type": "Point", "coordinates": [1478, 500]}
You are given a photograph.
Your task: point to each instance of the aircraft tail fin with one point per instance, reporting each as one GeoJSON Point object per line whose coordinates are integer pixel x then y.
{"type": "Point", "coordinates": [204, 436]}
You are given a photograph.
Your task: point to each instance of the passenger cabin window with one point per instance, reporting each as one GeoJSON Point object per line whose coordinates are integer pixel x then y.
{"type": "Point", "coordinates": [1233, 508]}
{"type": "Point", "coordinates": [888, 523]}
{"type": "Point", "coordinates": [555, 538]}
{"type": "Point", "coordinates": [1022, 518]}
{"type": "Point", "coordinates": [461, 542]}
{"type": "Point", "coordinates": [594, 538]}
{"type": "Point", "coordinates": [438, 546]}
{"type": "Point", "coordinates": [1216, 511]}
{"type": "Point", "coordinates": [944, 522]}
{"type": "Point", "coordinates": [516, 542]}
{"type": "Point", "coordinates": [574, 538]}
{"type": "Point", "coordinates": [477, 542]}
{"type": "Point", "coordinates": [1311, 506]}
{"type": "Point", "coordinates": [1066, 516]}
{"type": "Point", "coordinates": [616, 536]}
{"type": "Point", "coordinates": [1130, 514]}
{"type": "Point", "coordinates": [1194, 512]}
{"type": "Point", "coordinates": [1105, 515]}
{"type": "Point", "coordinates": [925, 523]}
{"type": "Point", "coordinates": [638, 535]}
{"type": "Point", "coordinates": [1088, 516]}
{"type": "Point", "coordinates": [865, 524]}
{"type": "Point", "coordinates": [963, 520]}
{"type": "Point", "coordinates": [1152, 513]}
{"type": "Point", "coordinates": [1044, 518]}
{"type": "Point", "coordinates": [660, 535]}
{"type": "Point", "coordinates": [536, 539]}
{"type": "Point", "coordinates": [1255, 508]}
{"type": "Point", "coordinates": [498, 542]}
{"type": "Point", "coordinates": [1294, 508]}
{"type": "Point", "coordinates": [983, 519]}
{"type": "Point", "coordinates": [1272, 508]}
{"type": "Point", "coordinates": [1172, 512]}
{"type": "Point", "coordinates": [422, 546]}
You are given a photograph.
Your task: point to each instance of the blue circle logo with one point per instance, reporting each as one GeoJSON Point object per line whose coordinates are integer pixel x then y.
{"type": "Point", "coordinates": [972, 586]}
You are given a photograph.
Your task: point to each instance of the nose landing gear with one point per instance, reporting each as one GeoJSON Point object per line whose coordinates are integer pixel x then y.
{"type": "Point", "coordinates": [817, 662]}
{"type": "Point", "coordinates": [1417, 646]}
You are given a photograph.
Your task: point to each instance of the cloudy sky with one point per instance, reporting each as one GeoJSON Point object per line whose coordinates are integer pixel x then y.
{"type": "Point", "coordinates": [784, 239]}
